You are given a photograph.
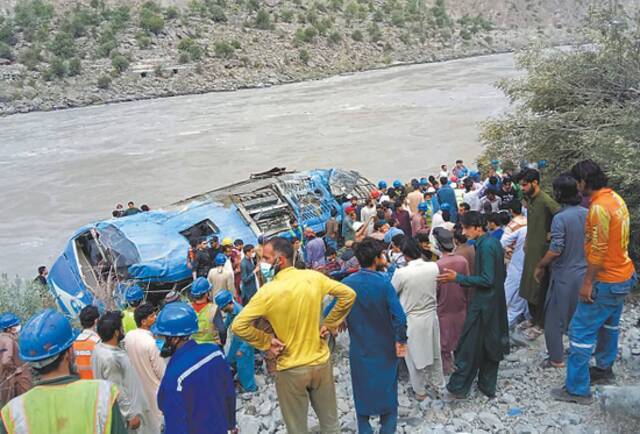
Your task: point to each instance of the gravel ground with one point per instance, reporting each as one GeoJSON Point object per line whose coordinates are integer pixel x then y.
{"type": "Point", "coordinates": [522, 404]}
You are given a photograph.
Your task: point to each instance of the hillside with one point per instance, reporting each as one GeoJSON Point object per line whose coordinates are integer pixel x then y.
{"type": "Point", "coordinates": [75, 53]}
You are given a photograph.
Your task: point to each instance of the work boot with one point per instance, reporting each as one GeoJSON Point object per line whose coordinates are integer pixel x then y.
{"type": "Point", "coordinates": [601, 376]}
{"type": "Point", "coordinates": [561, 394]}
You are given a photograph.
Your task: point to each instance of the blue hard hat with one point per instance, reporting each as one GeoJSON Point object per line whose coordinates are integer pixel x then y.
{"type": "Point", "coordinates": [8, 320]}
{"type": "Point", "coordinates": [397, 183]}
{"type": "Point", "coordinates": [200, 287]}
{"type": "Point", "coordinates": [134, 293]}
{"type": "Point", "coordinates": [176, 319]}
{"type": "Point", "coordinates": [223, 298]}
{"type": "Point", "coordinates": [445, 206]}
{"type": "Point", "coordinates": [424, 181]}
{"type": "Point", "coordinates": [542, 164]}
{"type": "Point", "coordinates": [474, 174]}
{"type": "Point", "coordinates": [392, 233]}
{"type": "Point", "coordinates": [423, 206]}
{"type": "Point", "coordinates": [220, 259]}
{"type": "Point", "coordinates": [382, 184]}
{"type": "Point", "coordinates": [45, 335]}
{"type": "Point", "coordinates": [495, 162]}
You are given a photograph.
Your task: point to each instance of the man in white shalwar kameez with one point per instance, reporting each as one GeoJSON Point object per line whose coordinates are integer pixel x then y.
{"type": "Point", "coordinates": [416, 288]}
{"type": "Point", "coordinates": [110, 362]}
{"type": "Point", "coordinates": [516, 305]}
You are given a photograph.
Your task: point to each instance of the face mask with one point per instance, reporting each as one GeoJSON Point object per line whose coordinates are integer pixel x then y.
{"type": "Point", "coordinates": [266, 269]}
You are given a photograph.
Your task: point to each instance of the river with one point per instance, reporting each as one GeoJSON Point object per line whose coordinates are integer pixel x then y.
{"type": "Point", "coordinates": [61, 170]}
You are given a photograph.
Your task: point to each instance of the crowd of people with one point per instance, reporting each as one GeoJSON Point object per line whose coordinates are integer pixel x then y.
{"type": "Point", "coordinates": [444, 274]}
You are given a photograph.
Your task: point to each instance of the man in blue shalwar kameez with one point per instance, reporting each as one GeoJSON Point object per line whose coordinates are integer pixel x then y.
{"type": "Point", "coordinates": [378, 335]}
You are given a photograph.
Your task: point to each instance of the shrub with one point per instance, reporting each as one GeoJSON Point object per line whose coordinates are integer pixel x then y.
{"type": "Point", "coordinates": [286, 15]}
{"type": "Point", "coordinates": [117, 17]}
{"type": "Point", "coordinates": [119, 63]}
{"type": "Point", "coordinates": [351, 10]}
{"type": "Point", "coordinates": [406, 38]}
{"type": "Point", "coordinates": [30, 57]}
{"type": "Point", "coordinates": [378, 16]}
{"type": "Point", "coordinates": [7, 32]}
{"type": "Point", "coordinates": [304, 56]}
{"type": "Point", "coordinates": [184, 58]}
{"type": "Point", "coordinates": [104, 81]}
{"type": "Point", "coordinates": [5, 51]}
{"type": "Point", "coordinates": [312, 16]}
{"type": "Point", "coordinates": [75, 67]}
{"type": "Point", "coordinates": [105, 48]}
{"type": "Point", "coordinates": [189, 46]}
{"type": "Point", "coordinates": [171, 13]}
{"type": "Point", "coordinates": [440, 15]}
{"type": "Point", "coordinates": [335, 37]}
{"type": "Point", "coordinates": [33, 16]}
{"type": "Point", "coordinates": [397, 17]}
{"type": "Point", "coordinates": [216, 13]}
{"type": "Point", "coordinates": [323, 26]}
{"type": "Point", "coordinates": [357, 36]}
{"type": "Point", "coordinates": [158, 71]}
{"type": "Point", "coordinates": [151, 21]}
{"type": "Point", "coordinates": [374, 32]}
{"type": "Point", "coordinates": [143, 40]}
{"type": "Point", "coordinates": [252, 5]}
{"type": "Point", "coordinates": [335, 5]}
{"type": "Point", "coordinates": [223, 49]}
{"type": "Point", "coordinates": [63, 45]}
{"type": "Point", "coordinates": [263, 20]}
{"type": "Point", "coordinates": [236, 44]}
{"type": "Point", "coordinates": [57, 69]}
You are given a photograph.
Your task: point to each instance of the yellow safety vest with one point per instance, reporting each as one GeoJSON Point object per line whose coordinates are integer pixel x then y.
{"type": "Point", "coordinates": [78, 407]}
{"type": "Point", "coordinates": [207, 332]}
{"type": "Point", "coordinates": [128, 321]}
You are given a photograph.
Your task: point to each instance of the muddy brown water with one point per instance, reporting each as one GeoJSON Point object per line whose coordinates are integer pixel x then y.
{"type": "Point", "coordinates": [61, 170]}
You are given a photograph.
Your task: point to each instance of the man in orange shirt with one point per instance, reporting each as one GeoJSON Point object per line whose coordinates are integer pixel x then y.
{"type": "Point", "coordinates": [609, 278]}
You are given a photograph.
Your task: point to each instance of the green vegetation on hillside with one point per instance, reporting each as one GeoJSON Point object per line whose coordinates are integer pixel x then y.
{"type": "Point", "coordinates": [579, 104]}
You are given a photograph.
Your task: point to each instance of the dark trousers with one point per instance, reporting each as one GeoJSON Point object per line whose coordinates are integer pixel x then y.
{"type": "Point", "coordinates": [472, 360]}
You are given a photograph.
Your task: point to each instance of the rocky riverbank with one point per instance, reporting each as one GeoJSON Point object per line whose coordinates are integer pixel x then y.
{"type": "Point", "coordinates": [522, 405]}
{"type": "Point", "coordinates": [84, 53]}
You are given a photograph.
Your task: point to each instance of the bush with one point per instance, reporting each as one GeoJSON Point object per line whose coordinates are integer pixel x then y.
{"type": "Point", "coordinates": [158, 71]}
{"type": "Point", "coordinates": [378, 16]}
{"type": "Point", "coordinates": [263, 20]}
{"type": "Point", "coordinates": [578, 104]}
{"type": "Point", "coordinates": [397, 17]}
{"type": "Point", "coordinates": [23, 297]}
{"type": "Point", "coordinates": [151, 21]}
{"type": "Point", "coordinates": [312, 16]}
{"type": "Point", "coordinates": [304, 56]}
{"type": "Point", "coordinates": [104, 81]}
{"type": "Point", "coordinates": [5, 51]}
{"type": "Point", "coordinates": [286, 15]}
{"type": "Point", "coordinates": [33, 17]}
{"type": "Point", "coordinates": [335, 5]}
{"type": "Point", "coordinates": [63, 45]}
{"type": "Point", "coordinates": [184, 58]}
{"type": "Point", "coordinates": [75, 67]}
{"type": "Point", "coordinates": [120, 63]}
{"type": "Point", "coordinates": [223, 49]}
{"type": "Point", "coordinates": [357, 36]}
{"type": "Point", "coordinates": [335, 37]}
{"type": "Point", "coordinates": [236, 44]}
{"type": "Point", "coordinates": [171, 13]}
{"type": "Point", "coordinates": [440, 14]}
{"type": "Point", "coordinates": [57, 69]}
{"type": "Point", "coordinates": [351, 10]}
{"type": "Point", "coordinates": [323, 26]}
{"type": "Point", "coordinates": [117, 17]}
{"type": "Point", "coordinates": [216, 13]}
{"type": "Point", "coordinates": [374, 32]}
{"type": "Point", "coordinates": [7, 32]}
{"type": "Point", "coordinates": [30, 57]}
{"type": "Point", "coordinates": [143, 40]}
{"type": "Point", "coordinates": [190, 47]}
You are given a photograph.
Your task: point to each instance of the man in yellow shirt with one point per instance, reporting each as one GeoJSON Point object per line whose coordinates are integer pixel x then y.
{"type": "Point", "coordinates": [292, 304]}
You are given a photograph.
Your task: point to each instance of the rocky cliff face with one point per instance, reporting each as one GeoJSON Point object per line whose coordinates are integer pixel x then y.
{"type": "Point", "coordinates": [74, 53]}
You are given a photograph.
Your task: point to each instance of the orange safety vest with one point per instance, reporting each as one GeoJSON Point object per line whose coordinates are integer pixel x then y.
{"type": "Point", "coordinates": [83, 349]}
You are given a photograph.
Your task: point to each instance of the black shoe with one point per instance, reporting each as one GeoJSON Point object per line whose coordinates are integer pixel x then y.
{"type": "Point", "coordinates": [601, 376]}
{"type": "Point", "coordinates": [561, 394]}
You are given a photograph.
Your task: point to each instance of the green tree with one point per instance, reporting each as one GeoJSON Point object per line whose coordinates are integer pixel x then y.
{"type": "Point", "coordinates": [190, 47]}
{"type": "Point", "coordinates": [151, 21]}
{"type": "Point", "coordinates": [63, 45]}
{"type": "Point", "coordinates": [7, 31]}
{"type": "Point", "coordinates": [577, 104]}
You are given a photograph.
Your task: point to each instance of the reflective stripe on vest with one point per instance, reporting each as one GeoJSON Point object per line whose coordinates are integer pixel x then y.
{"type": "Point", "coordinates": [72, 408]}
{"type": "Point", "coordinates": [83, 351]}
{"type": "Point", "coordinates": [195, 367]}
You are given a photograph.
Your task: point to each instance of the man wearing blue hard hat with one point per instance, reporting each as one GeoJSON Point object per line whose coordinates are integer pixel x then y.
{"type": "Point", "coordinates": [240, 353]}
{"type": "Point", "coordinates": [206, 312]}
{"type": "Point", "coordinates": [196, 393]}
{"type": "Point", "coordinates": [16, 378]}
{"type": "Point", "coordinates": [59, 403]}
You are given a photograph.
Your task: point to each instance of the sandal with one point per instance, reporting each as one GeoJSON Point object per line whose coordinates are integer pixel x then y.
{"type": "Point", "coordinates": [532, 333]}
{"type": "Point", "coordinates": [548, 363]}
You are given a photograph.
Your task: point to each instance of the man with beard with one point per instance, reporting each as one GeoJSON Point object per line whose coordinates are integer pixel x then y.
{"type": "Point", "coordinates": [291, 303]}
{"type": "Point", "coordinates": [45, 343]}
{"type": "Point", "coordinates": [111, 363]}
{"type": "Point", "coordinates": [540, 211]}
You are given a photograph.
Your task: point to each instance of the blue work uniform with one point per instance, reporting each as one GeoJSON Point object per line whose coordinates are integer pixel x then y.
{"type": "Point", "coordinates": [245, 363]}
{"type": "Point", "coordinates": [196, 394]}
{"type": "Point", "coordinates": [447, 195]}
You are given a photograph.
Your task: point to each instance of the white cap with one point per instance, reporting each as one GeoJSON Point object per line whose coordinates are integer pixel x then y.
{"type": "Point", "coordinates": [349, 196]}
{"type": "Point", "coordinates": [431, 190]}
